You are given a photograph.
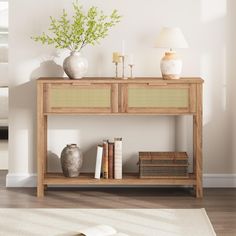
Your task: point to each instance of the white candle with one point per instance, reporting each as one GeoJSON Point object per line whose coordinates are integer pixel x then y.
{"type": "Point", "coordinates": [131, 59]}
{"type": "Point", "coordinates": [123, 48]}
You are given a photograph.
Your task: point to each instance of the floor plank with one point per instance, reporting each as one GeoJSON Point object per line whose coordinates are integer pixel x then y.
{"type": "Point", "coordinates": [220, 204]}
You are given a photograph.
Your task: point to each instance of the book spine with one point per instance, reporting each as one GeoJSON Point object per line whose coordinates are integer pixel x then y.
{"type": "Point", "coordinates": [98, 166]}
{"type": "Point", "coordinates": [118, 158]}
{"type": "Point", "coordinates": [110, 160]}
{"type": "Point", "coordinates": [105, 160]}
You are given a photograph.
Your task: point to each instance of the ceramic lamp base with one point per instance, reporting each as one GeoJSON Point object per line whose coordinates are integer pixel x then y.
{"type": "Point", "coordinates": [170, 76]}
{"type": "Point", "coordinates": [171, 66]}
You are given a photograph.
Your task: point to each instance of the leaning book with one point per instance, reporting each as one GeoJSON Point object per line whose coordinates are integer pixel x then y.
{"type": "Point", "coordinates": [98, 166]}
{"type": "Point", "coordinates": [100, 230]}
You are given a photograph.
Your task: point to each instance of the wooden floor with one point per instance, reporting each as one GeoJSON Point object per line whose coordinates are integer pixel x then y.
{"type": "Point", "coordinates": [220, 204]}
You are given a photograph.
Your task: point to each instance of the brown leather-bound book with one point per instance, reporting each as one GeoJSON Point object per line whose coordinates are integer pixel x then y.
{"type": "Point", "coordinates": [105, 160]}
{"type": "Point", "coordinates": [110, 160]}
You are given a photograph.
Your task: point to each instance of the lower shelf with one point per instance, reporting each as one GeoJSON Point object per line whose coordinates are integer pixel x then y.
{"type": "Point", "coordinates": [129, 179]}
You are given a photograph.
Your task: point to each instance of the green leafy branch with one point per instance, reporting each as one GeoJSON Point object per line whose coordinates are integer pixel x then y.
{"type": "Point", "coordinates": [83, 29]}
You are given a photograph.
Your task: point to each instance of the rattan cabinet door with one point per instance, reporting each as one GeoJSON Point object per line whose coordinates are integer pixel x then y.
{"type": "Point", "coordinates": [78, 98]}
{"type": "Point", "coordinates": [169, 99]}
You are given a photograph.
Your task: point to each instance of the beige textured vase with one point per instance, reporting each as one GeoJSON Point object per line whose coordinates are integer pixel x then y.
{"type": "Point", "coordinates": [75, 66]}
{"type": "Point", "coordinates": [171, 66]}
{"type": "Point", "coordinates": [71, 160]}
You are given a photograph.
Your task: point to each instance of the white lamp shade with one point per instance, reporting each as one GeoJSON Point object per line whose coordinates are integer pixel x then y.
{"type": "Point", "coordinates": [171, 38]}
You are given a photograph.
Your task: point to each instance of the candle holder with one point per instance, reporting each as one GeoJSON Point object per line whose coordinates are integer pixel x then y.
{"type": "Point", "coordinates": [116, 64]}
{"type": "Point", "coordinates": [131, 70]}
{"type": "Point", "coordinates": [116, 60]}
{"type": "Point", "coordinates": [123, 66]}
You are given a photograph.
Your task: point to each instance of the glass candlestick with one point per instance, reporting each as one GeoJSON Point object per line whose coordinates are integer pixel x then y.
{"type": "Point", "coordinates": [131, 70]}
{"type": "Point", "coordinates": [123, 66]}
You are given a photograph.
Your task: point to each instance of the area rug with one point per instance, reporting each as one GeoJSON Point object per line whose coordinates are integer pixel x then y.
{"type": "Point", "coordinates": [133, 222]}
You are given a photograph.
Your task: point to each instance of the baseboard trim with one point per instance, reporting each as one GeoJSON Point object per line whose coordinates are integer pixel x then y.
{"type": "Point", "coordinates": [219, 180]}
{"type": "Point", "coordinates": [21, 180]}
{"type": "Point", "coordinates": [209, 180]}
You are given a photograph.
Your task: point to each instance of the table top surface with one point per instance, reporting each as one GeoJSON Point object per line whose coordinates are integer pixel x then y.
{"type": "Point", "coordinates": [157, 80]}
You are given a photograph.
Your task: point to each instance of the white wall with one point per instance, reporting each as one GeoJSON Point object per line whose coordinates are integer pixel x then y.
{"type": "Point", "coordinates": [3, 42]}
{"type": "Point", "coordinates": [208, 27]}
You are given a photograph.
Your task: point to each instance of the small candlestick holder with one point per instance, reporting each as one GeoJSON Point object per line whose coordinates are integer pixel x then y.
{"type": "Point", "coordinates": [116, 60]}
{"type": "Point", "coordinates": [116, 64]}
{"type": "Point", "coordinates": [131, 70]}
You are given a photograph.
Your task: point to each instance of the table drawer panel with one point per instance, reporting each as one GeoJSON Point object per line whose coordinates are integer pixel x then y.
{"type": "Point", "coordinates": [89, 98]}
{"type": "Point", "coordinates": [158, 97]}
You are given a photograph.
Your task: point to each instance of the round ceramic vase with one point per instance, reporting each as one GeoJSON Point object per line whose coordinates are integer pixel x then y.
{"type": "Point", "coordinates": [71, 160]}
{"type": "Point", "coordinates": [75, 66]}
{"type": "Point", "coordinates": [171, 66]}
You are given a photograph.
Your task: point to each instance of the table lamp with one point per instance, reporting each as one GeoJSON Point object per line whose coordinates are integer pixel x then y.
{"type": "Point", "coordinates": [171, 63]}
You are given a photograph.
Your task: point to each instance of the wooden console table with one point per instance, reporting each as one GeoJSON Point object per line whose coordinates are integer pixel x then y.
{"type": "Point", "coordinates": [109, 96]}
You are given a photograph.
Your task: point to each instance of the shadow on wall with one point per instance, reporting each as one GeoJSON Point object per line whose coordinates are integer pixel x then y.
{"type": "Point", "coordinates": [26, 132]}
{"type": "Point", "coordinates": [54, 163]}
{"type": "Point", "coordinates": [89, 158]}
{"type": "Point", "coordinates": [47, 68]}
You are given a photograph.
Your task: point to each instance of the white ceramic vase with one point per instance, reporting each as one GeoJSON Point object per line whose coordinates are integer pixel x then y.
{"type": "Point", "coordinates": [75, 66]}
{"type": "Point", "coordinates": [171, 66]}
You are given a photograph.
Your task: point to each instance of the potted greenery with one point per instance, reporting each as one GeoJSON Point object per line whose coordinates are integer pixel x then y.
{"type": "Point", "coordinates": [83, 29]}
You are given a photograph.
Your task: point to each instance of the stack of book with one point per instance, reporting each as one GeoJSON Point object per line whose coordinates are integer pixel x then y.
{"type": "Point", "coordinates": [109, 160]}
{"type": "Point", "coordinates": [163, 165]}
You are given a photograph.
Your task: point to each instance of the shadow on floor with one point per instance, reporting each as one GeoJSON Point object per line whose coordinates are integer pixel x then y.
{"type": "Point", "coordinates": [3, 174]}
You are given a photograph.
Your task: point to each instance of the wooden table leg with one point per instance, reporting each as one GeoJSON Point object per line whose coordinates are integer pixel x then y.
{"type": "Point", "coordinates": [197, 141]}
{"type": "Point", "coordinates": [41, 141]}
{"type": "Point", "coordinates": [40, 190]}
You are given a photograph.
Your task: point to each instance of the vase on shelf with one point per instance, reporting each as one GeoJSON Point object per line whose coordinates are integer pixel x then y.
{"type": "Point", "coordinates": [75, 65]}
{"type": "Point", "coordinates": [71, 160]}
